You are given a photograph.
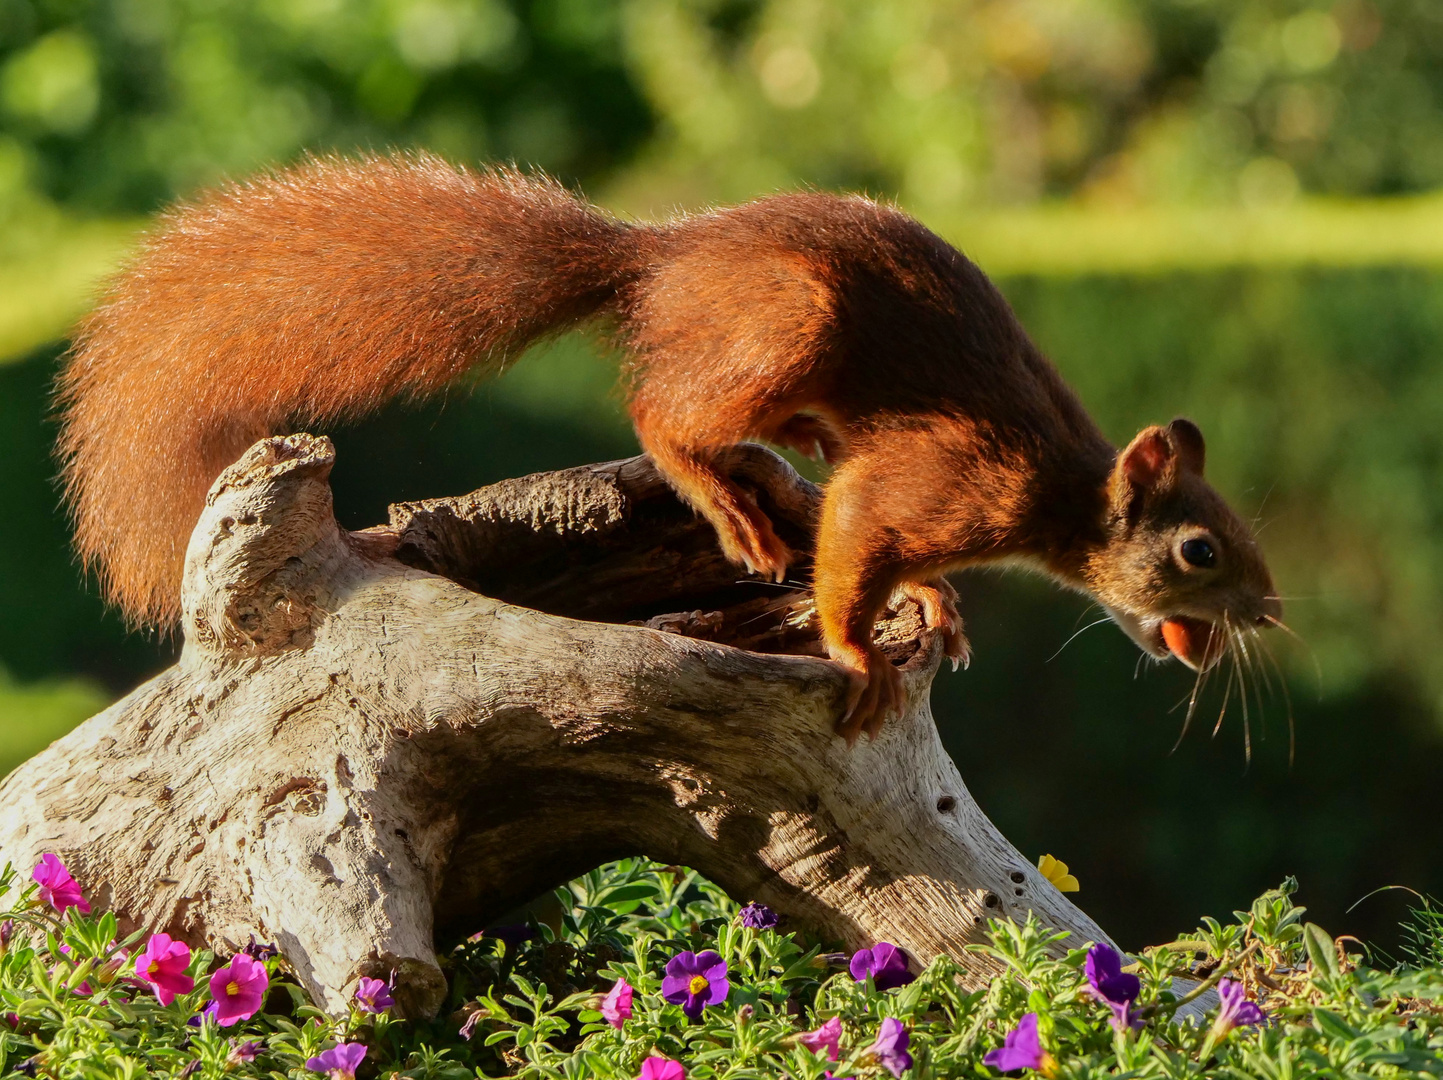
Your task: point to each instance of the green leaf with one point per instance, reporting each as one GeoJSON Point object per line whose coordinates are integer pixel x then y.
{"type": "Point", "coordinates": [1321, 950]}
{"type": "Point", "coordinates": [1333, 1025]}
{"type": "Point", "coordinates": [640, 891]}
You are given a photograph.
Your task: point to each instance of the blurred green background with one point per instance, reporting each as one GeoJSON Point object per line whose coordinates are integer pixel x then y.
{"type": "Point", "coordinates": [1224, 208]}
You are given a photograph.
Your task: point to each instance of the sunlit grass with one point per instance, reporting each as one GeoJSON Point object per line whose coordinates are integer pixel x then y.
{"type": "Point", "coordinates": [1069, 239]}
{"type": "Point", "coordinates": [35, 715]}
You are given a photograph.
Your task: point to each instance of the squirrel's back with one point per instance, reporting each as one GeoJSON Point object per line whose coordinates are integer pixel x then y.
{"type": "Point", "coordinates": [318, 292]}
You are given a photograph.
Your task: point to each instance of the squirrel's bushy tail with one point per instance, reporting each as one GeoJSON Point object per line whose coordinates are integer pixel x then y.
{"type": "Point", "coordinates": [313, 294]}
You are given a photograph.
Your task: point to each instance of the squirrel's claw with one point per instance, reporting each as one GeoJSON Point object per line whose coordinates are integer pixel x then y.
{"type": "Point", "coordinates": [876, 693]}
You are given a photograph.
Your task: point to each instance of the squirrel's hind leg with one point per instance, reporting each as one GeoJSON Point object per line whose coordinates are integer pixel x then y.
{"type": "Point", "coordinates": [745, 532]}
{"type": "Point", "coordinates": [812, 436]}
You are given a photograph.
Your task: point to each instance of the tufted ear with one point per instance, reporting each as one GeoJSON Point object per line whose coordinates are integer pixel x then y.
{"type": "Point", "coordinates": [1146, 458]}
{"type": "Point", "coordinates": [1187, 439]}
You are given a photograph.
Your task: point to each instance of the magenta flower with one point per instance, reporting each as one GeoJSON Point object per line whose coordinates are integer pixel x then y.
{"type": "Point", "coordinates": [828, 1037]}
{"type": "Point", "coordinates": [7, 931]}
{"type": "Point", "coordinates": [57, 887]}
{"type": "Point", "coordinates": [890, 1049]}
{"type": "Point", "coordinates": [759, 917]}
{"type": "Point", "coordinates": [238, 989]}
{"type": "Point", "coordinates": [1111, 986]}
{"type": "Point", "coordinates": [340, 1062]}
{"type": "Point", "coordinates": [373, 996]}
{"type": "Point", "coordinates": [659, 1068]}
{"type": "Point", "coordinates": [616, 1006]}
{"type": "Point", "coordinates": [1236, 1009]}
{"type": "Point", "coordinates": [163, 964]}
{"type": "Point", "coordinates": [885, 963]}
{"type": "Point", "coordinates": [695, 980]}
{"type": "Point", "coordinates": [1021, 1049]}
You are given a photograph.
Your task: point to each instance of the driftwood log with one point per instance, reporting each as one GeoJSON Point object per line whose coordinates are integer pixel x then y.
{"type": "Point", "coordinates": [380, 741]}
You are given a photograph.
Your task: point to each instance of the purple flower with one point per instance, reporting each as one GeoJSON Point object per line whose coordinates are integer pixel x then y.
{"type": "Point", "coordinates": [469, 1027]}
{"type": "Point", "coordinates": [659, 1068]}
{"type": "Point", "coordinates": [1236, 1009]}
{"type": "Point", "coordinates": [885, 963]}
{"type": "Point", "coordinates": [57, 887]}
{"type": "Point", "coordinates": [257, 951]}
{"type": "Point", "coordinates": [244, 1052]}
{"type": "Point", "coordinates": [511, 934]}
{"type": "Point", "coordinates": [208, 1013]}
{"type": "Point", "coordinates": [695, 980]}
{"type": "Point", "coordinates": [238, 989]}
{"type": "Point", "coordinates": [7, 932]}
{"type": "Point", "coordinates": [828, 1037]}
{"type": "Point", "coordinates": [373, 996]}
{"type": "Point", "coordinates": [890, 1049]}
{"type": "Point", "coordinates": [616, 1006]}
{"type": "Point", "coordinates": [759, 917]}
{"type": "Point", "coordinates": [1021, 1049]}
{"type": "Point", "coordinates": [339, 1062]}
{"type": "Point", "coordinates": [1111, 985]}
{"type": "Point", "coordinates": [163, 964]}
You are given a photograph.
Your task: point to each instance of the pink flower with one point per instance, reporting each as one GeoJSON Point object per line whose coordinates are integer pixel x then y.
{"type": "Point", "coordinates": [57, 887]}
{"type": "Point", "coordinates": [373, 995]}
{"type": "Point", "coordinates": [659, 1068]}
{"type": "Point", "coordinates": [616, 1006]}
{"type": "Point", "coordinates": [238, 989]}
{"type": "Point", "coordinates": [339, 1062]}
{"type": "Point", "coordinates": [828, 1037]}
{"type": "Point", "coordinates": [163, 965]}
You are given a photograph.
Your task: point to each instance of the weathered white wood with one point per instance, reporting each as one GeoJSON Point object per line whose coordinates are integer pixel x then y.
{"type": "Point", "coordinates": [357, 758]}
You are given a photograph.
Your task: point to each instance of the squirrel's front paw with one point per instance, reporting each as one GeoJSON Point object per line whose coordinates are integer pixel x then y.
{"type": "Point", "coordinates": [877, 692]}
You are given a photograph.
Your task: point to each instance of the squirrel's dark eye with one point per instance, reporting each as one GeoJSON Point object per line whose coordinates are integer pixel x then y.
{"type": "Point", "coordinates": [1198, 552]}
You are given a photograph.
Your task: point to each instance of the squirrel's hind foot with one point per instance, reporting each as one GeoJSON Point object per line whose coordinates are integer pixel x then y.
{"type": "Point", "coordinates": [877, 692]}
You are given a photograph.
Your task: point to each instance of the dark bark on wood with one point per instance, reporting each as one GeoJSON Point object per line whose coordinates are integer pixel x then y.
{"type": "Point", "coordinates": [376, 741]}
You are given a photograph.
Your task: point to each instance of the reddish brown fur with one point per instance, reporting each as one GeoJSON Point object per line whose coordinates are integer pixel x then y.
{"type": "Point", "coordinates": [817, 321]}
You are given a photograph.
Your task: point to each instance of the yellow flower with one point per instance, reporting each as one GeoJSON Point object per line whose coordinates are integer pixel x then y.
{"type": "Point", "coordinates": [1055, 871]}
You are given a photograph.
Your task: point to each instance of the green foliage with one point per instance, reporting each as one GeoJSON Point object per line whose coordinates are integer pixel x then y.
{"type": "Point", "coordinates": [119, 105]}
{"type": "Point", "coordinates": [531, 1010]}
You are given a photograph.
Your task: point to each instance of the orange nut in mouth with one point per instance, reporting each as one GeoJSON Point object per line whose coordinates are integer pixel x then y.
{"type": "Point", "coordinates": [1196, 643]}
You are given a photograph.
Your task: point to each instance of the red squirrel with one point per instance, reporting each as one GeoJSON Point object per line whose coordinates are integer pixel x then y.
{"type": "Point", "coordinates": [831, 324]}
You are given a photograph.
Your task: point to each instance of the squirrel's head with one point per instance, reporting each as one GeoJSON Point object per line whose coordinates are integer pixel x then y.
{"type": "Point", "coordinates": [1179, 571]}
